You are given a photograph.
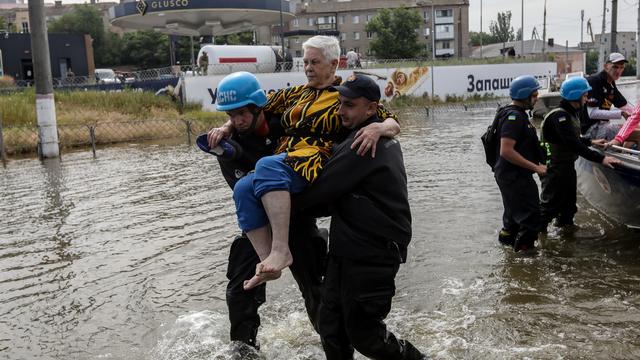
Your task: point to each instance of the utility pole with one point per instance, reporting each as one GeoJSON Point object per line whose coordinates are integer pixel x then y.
{"type": "Point", "coordinates": [581, 27]}
{"type": "Point", "coordinates": [544, 28]}
{"type": "Point", "coordinates": [601, 54]}
{"type": "Point", "coordinates": [481, 56]}
{"type": "Point", "coordinates": [433, 34]}
{"type": "Point", "coordinates": [522, 30]}
{"type": "Point", "coordinates": [614, 25]}
{"type": "Point", "coordinates": [45, 105]}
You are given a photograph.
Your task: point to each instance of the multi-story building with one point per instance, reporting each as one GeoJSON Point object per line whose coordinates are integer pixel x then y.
{"type": "Point", "coordinates": [348, 18]}
{"type": "Point", "coordinates": [626, 41]}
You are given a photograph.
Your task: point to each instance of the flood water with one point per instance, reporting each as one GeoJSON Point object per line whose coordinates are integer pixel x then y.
{"type": "Point", "coordinates": [124, 257]}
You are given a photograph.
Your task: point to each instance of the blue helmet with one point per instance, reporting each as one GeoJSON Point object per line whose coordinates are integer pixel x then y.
{"type": "Point", "coordinates": [523, 86]}
{"type": "Point", "coordinates": [573, 88]}
{"type": "Point", "coordinates": [239, 89]}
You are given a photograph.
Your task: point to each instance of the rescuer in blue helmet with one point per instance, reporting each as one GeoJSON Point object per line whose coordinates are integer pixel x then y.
{"type": "Point", "coordinates": [560, 136]}
{"type": "Point", "coordinates": [253, 137]}
{"type": "Point", "coordinates": [519, 157]}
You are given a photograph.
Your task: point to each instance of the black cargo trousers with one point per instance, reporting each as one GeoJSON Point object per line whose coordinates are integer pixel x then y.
{"type": "Point", "coordinates": [356, 299]}
{"type": "Point", "coordinates": [559, 193]}
{"type": "Point", "coordinates": [308, 246]}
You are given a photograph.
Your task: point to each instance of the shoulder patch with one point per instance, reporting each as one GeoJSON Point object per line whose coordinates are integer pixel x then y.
{"type": "Point", "coordinates": [512, 117]}
{"type": "Point", "coordinates": [561, 119]}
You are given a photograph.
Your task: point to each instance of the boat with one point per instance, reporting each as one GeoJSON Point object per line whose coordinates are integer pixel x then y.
{"type": "Point", "coordinates": [614, 192]}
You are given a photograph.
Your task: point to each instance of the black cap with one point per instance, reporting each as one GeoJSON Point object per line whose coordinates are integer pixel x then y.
{"type": "Point", "coordinates": [358, 85]}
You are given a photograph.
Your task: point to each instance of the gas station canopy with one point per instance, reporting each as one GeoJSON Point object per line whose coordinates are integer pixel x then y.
{"type": "Point", "coordinates": [199, 17]}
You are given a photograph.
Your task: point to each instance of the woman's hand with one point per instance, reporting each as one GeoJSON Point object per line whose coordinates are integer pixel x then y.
{"type": "Point", "coordinates": [366, 139]}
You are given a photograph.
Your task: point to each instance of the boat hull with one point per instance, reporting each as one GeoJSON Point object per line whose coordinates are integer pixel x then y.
{"type": "Point", "coordinates": [615, 192]}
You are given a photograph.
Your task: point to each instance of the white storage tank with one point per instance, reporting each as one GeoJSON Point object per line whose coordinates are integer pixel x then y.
{"type": "Point", "coordinates": [225, 59]}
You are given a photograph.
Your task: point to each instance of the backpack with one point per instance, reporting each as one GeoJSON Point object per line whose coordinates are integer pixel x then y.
{"type": "Point", "coordinates": [490, 140]}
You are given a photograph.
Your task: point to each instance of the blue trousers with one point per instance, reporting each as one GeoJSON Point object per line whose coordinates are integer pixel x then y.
{"type": "Point", "coordinates": [271, 174]}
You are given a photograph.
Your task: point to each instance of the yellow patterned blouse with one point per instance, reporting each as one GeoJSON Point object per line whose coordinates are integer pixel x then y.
{"type": "Point", "coordinates": [311, 125]}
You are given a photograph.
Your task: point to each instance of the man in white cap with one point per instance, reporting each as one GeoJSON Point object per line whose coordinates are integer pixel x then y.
{"type": "Point", "coordinates": [595, 120]}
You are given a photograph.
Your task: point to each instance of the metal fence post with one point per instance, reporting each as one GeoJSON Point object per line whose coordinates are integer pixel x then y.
{"type": "Point", "coordinates": [188, 124]}
{"type": "Point", "coordinates": [3, 155]}
{"type": "Point", "coordinates": [92, 137]}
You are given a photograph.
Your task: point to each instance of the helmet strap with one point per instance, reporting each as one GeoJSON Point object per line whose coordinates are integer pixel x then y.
{"type": "Point", "coordinates": [255, 112]}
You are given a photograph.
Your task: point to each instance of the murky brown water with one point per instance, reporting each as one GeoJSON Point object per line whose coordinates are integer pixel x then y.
{"type": "Point", "coordinates": [124, 257]}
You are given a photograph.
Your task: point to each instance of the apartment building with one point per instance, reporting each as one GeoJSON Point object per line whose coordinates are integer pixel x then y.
{"type": "Point", "coordinates": [626, 41]}
{"type": "Point", "coordinates": [347, 19]}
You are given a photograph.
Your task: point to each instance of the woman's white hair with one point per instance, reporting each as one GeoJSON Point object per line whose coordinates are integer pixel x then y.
{"type": "Point", "coordinates": [329, 46]}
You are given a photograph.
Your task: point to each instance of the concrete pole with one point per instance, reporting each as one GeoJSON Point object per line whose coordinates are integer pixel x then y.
{"type": "Point", "coordinates": [45, 105]}
{"type": "Point", "coordinates": [581, 28]}
{"type": "Point", "coordinates": [282, 37]}
{"type": "Point", "coordinates": [522, 30]}
{"type": "Point", "coordinates": [481, 56]}
{"type": "Point", "coordinates": [614, 25]}
{"type": "Point", "coordinates": [544, 28]}
{"type": "Point", "coordinates": [433, 33]}
{"type": "Point", "coordinates": [601, 54]}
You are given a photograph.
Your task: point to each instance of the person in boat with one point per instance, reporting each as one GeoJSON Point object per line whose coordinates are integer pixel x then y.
{"type": "Point", "coordinates": [561, 137]}
{"type": "Point", "coordinates": [519, 158]}
{"type": "Point", "coordinates": [604, 94]}
{"type": "Point", "coordinates": [629, 134]}
{"type": "Point", "coordinates": [311, 123]}
{"type": "Point", "coordinates": [370, 232]}
{"type": "Point", "coordinates": [255, 136]}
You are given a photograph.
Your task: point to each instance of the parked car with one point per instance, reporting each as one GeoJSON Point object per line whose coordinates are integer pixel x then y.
{"type": "Point", "coordinates": [106, 76]}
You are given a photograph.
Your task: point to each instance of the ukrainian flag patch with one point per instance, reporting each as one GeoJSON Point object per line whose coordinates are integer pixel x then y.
{"type": "Point", "coordinates": [511, 117]}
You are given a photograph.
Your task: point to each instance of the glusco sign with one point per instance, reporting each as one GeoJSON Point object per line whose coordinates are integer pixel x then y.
{"type": "Point", "coordinates": [162, 4]}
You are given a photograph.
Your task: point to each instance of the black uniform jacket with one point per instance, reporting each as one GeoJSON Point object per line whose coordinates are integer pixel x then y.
{"type": "Point", "coordinates": [514, 124]}
{"type": "Point", "coordinates": [368, 201]}
{"type": "Point", "coordinates": [254, 147]}
{"type": "Point", "coordinates": [602, 96]}
{"type": "Point", "coordinates": [559, 130]}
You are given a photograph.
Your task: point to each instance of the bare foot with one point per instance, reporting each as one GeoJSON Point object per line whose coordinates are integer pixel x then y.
{"type": "Point", "coordinates": [260, 279]}
{"type": "Point", "coordinates": [276, 261]}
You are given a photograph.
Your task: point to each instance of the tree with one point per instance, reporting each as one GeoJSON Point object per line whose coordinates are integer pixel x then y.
{"type": "Point", "coordinates": [146, 49]}
{"type": "Point", "coordinates": [243, 38]}
{"type": "Point", "coordinates": [474, 38]}
{"type": "Point", "coordinates": [519, 34]}
{"type": "Point", "coordinates": [83, 19]}
{"type": "Point", "coordinates": [396, 36]}
{"type": "Point", "coordinates": [591, 66]}
{"type": "Point", "coordinates": [502, 29]}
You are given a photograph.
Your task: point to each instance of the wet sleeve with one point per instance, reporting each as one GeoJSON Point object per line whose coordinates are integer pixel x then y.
{"type": "Point", "coordinates": [568, 138]}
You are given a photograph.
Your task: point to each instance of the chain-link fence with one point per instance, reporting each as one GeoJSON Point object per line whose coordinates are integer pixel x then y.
{"type": "Point", "coordinates": [296, 65]}
{"type": "Point", "coordinates": [17, 140]}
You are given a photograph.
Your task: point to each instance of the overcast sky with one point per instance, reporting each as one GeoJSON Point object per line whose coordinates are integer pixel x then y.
{"type": "Point", "coordinates": [563, 16]}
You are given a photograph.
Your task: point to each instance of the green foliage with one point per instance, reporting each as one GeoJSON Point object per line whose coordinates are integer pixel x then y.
{"type": "Point", "coordinates": [502, 29]}
{"type": "Point", "coordinates": [396, 36]}
{"type": "Point", "coordinates": [474, 38]}
{"type": "Point", "coordinates": [84, 19]}
{"type": "Point", "coordinates": [146, 49]}
{"type": "Point", "coordinates": [84, 107]}
{"type": "Point", "coordinates": [243, 38]}
{"type": "Point", "coordinates": [592, 61]}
